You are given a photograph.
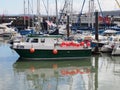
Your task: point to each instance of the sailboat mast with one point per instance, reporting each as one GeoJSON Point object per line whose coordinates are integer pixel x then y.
{"type": "Point", "coordinates": [68, 33]}
{"type": "Point", "coordinates": [32, 15]}
{"type": "Point", "coordinates": [89, 14]}
{"type": "Point", "coordinates": [92, 13]}
{"type": "Point", "coordinates": [28, 13]}
{"type": "Point", "coordinates": [24, 12]}
{"type": "Point", "coordinates": [48, 9]}
{"type": "Point", "coordinates": [56, 13]}
{"type": "Point", "coordinates": [38, 16]}
{"type": "Point", "coordinates": [71, 11]}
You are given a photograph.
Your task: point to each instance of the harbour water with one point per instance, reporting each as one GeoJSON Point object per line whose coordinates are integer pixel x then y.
{"type": "Point", "coordinates": [99, 72]}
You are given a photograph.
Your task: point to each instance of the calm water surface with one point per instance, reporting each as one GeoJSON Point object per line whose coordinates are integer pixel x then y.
{"type": "Point", "coordinates": [101, 72]}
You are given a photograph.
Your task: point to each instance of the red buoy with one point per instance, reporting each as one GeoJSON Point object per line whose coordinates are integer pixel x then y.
{"type": "Point", "coordinates": [55, 51]}
{"type": "Point", "coordinates": [67, 43]}
{"type": "Point", "coordinates": [88, 44]}
{"type": "Point", "coordinates": [62, 44]}
{"type": "Point", "coordinates": [32, 50]}
{"type": "Point", "coordinates": [77, 44]}
{"type": "Point", "coordinates": [82, 43]}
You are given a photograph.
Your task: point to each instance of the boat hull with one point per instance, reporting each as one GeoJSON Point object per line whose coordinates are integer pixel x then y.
{"type": "Point", "coordinates": [48, 54]}
{"type": "Point", "coordinates": [116, 52]}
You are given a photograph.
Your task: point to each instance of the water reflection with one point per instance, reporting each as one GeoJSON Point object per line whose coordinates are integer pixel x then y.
{"type": "Point", "coordinates": [108, 72]}
{"type": "Point", "coordinates": [57, 75]}
{"type": "Point", "coordinates": [116, 66]}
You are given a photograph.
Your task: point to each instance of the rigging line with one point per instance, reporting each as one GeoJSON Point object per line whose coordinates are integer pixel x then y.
{"type": "Point", "coordinates": [45, 6]}
{"type": "Point", "coordinates": [38, 7]}
{"type": "Point", "coordinates": [31, 6]}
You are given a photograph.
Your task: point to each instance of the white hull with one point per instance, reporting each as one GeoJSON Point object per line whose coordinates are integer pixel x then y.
{"type": "Point", "coordinates": [116, 51]}
{"type": "Point", "coordinates": [106, 49]}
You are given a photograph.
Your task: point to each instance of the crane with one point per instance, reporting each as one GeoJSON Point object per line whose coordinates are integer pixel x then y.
{"type": "Point", "coordinates": [117, 3]}
{"type": "Point", "coordinates": [67, 8]}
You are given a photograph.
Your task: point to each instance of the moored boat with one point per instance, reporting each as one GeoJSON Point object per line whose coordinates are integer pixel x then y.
{"type": "Point", "coordinates": [116, 50]}
{"type": "Point", "coordinates": [6, 31]}
{"type": "Point", "coordinates": [44, 47]}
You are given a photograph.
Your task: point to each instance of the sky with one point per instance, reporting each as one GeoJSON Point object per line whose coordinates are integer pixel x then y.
{"type": "Point", "coordinates": [16, 6]}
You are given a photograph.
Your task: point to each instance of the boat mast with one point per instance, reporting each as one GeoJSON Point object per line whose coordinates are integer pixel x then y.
{"type": "Point", "coordinates": [38, 16]}
{"type": "Point", "coordinates": [57, 16]}
{"type": "Point", "coordinates": [91, 12]}
{"type": "Point", "coordinates": [24, 13]}
{"type": "Point", "coordinates": [67, 26]}
{"type": "Point", "coordinates": [32, 15]}
{"type": "Point", "coordinates": [28, 13]}
{"type": "Point", "coordinates": [38, 7]}
{"type": "Point", "coordinates": [71, 11]}
{"type": "Point", "coordinates": [48, 9]}
{"type": "Point", "coordinates": [48, 13]}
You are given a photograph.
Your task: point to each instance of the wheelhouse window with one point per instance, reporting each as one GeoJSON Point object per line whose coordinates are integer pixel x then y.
{"type": "Point", "coordinates": [34, 40]}
{"type": "Point", "coordinates": [42, 40]}
{"type": "Point", "coordinates": [28, 39]}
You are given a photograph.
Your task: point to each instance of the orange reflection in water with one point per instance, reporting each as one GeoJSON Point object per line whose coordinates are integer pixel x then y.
{"type": "Point", "coordinates": [55, 66]}
{"type": "Point", "coordinates": [32, 68]}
